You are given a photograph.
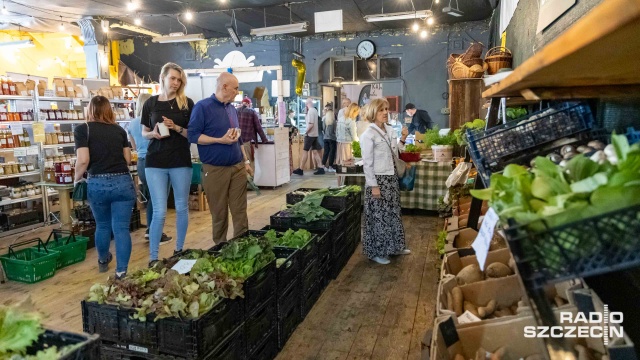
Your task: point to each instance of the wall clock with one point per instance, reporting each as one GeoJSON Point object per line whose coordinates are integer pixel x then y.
{"type": "Point", "coordinates": [366, 49]}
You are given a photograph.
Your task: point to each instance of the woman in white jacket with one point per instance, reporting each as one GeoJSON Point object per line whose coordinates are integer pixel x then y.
{"type": "Point", "coordinates": [346, 134]}
{"type": "Point", "coordinates": [383, 230]}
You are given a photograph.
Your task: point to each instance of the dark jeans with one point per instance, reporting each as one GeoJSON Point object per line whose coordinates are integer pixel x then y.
{"type": "Point", "coordinates": [329, 152]}
{"type": "Point", "coordinates": [112, 199]}
{"type": "Point", "coordinates": [145, 191]}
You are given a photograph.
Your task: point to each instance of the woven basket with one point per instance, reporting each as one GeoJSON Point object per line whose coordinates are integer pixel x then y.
{"type": "Point", "coordinates": [461, 71]}
{"type": "Point", "coordinates": [473, 52]}
{"type": "Point", "coordinates": [498, 58]}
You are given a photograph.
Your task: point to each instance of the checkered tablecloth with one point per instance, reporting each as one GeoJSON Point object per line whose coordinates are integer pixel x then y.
{"type": "Point", "coordinates": [428, 188]}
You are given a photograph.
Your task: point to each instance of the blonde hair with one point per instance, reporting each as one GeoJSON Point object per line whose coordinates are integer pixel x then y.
{"type": "Point", "coordinates": [142, 98]}
{"type": "Point", "coordinates": [352, 111]}
{"type": "Point", "coordinates": [181, 98]}
{"type": "Point", "coordinates": [370, 111]}
{"type": "Point", "coordinates": [100, 110]}
{"type": "Point", "coordinates": [329, 117]}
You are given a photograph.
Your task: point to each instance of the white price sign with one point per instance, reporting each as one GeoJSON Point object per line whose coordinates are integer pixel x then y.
{"type": "Point", "coordinates": [19, 152]}
{"type": "Point", "coordinates": [183, 266]}
{"type": "Point", "coordinates": [16, 129]}
{"type": "Point", "coordinates": [468, 317]}
{"type": "Point", "coordinates": [33, 150]}
{"type": "Point", "coordinates": [76, 102]}
{"type": "Point", "coordinates": [483, 241]}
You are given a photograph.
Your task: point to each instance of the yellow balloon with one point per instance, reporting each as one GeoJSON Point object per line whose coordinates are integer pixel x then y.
{"type": "Point", "coordinates": [302, 70]}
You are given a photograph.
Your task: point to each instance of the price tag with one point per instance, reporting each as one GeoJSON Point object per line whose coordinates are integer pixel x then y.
{"type": "Point", "coordinates": [19, 152]}
{"type": "Point", "coordinates": [77, 102]}
{"type": "Point", "coordinates": [16, 129]}
{"type": "Point", "coordinates": [32, 150]}
{"type": "Point", "coordinates": [467, 317]}
{"type": "Point", "coordinates": [183, 266]}
{"type": "Point", "coordinates": [483, 240]}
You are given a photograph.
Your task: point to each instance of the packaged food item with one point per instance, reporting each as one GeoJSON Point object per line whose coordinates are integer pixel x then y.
{"type": "Point", "coordinates": [31, 86]}
{"type": "Point", "coordinates": [70, 87]}
{"type": "Point", "coordinates": [59, 87]}
{"type": "Point", "coordinates": [21, 89]}
{"type": "Point", "coordinates": [79, 92]}
{"type": "Point", "coordinates": [42, 86]}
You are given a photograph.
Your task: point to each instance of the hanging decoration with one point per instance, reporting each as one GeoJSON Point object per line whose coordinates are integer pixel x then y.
{"type": "Point", "coordinates": [302, 70]}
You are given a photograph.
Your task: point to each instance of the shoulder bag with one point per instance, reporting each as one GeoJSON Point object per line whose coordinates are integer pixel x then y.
{"type": "Point", "coordinates": [80, 188]}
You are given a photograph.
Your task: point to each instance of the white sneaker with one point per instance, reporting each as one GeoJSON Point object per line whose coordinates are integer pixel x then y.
{"type": "Point", "coordinates": [331, 170]}
{"type": "Point", "coordinates": [403, 252]}
{"type": "Point", "coordinates": [381, 260]}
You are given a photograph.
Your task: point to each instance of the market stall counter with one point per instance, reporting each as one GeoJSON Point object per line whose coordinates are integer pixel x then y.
{"type": "Point", "coordinates": [429, 185]}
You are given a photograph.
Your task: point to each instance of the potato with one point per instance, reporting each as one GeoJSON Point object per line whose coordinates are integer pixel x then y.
{"type": "Point", "coordinates": [457, 299]}
{"type": "Point", "coordinates": [469, 274]}
{"type": "Point", "coordinates": [459, 357]}
{"type": "Point", "coordinates": [497, 242]}
{"type": "Point", "coordinates": [470, 307]}
{"type": "Point", "coordinates": [498, 270]}
{"type": "Point", "coordinates": [485, 311]}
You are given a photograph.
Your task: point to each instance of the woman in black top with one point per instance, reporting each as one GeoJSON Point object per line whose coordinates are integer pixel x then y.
{"type": "Point", "coordinates": [103, 150]}
{"type": "Point", "coordinates": [168, 158]}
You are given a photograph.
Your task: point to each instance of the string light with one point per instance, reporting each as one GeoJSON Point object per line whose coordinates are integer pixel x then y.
{"type": "Point", "coordinates": [188, 15]}
{"type": "Point", "coordinates": [430, 21]}
{"type": "Point", "coordinates": [131, 5]}
{"type": "Point", "coordinates": [415, 27]}
{"type": "Point", "coordinates": [423, 34]}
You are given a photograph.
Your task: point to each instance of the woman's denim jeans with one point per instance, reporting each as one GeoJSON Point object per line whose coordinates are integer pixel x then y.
{"type": "Point", "coordinates": [158, 180]}
{"type": "Point", "coordinates": [112, 199]}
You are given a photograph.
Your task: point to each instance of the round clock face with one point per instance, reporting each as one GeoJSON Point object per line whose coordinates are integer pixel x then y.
{"type": "Point", "coordinates": [366, 49]}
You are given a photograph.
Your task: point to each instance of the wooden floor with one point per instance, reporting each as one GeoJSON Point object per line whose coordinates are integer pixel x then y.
{"type": "Point", "coordinates": [370, 312]}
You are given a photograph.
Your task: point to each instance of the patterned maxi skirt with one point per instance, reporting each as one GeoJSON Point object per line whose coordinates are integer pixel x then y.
{"type": "Point", "coordinates": [383, 230]}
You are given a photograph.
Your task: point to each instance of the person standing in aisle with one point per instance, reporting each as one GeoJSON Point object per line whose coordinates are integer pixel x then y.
{"type": "Point", "coordinates": [329, 155]}
{"type": "Point", "coordinates": [346, 134]}
{"type": "Point", "coordinates": [141, 144]}
{"type": "Point", "coordinates": [225, 165]}
{"type": "Point", "coordinates": [383, 230]}
{"type": "Point", "coordinates": [342, 112]}
{"type": "Point", "coordinates": [250, 127]}
{"type": "Point", "coordinates": [165, 118]}
{"type": "Point", "coordinates": [311, 142]}
{"type": "Point", "coordinates": [103, 151]}
{"type": "Point", "coordinates": [420, 119]}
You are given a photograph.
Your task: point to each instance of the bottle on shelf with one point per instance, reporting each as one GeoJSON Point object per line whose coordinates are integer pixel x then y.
{"type": "Point", "coordinates": [10, 142]}
{"type": "Point", "coordinates": [5, 86]}
{"type": "Point", "coordinates": [3, 140]}
{"type": "Point", "coordinates": [18, 140]}
{"type": "Point", "coordinates": [12, 87]}
{"type": "Point", "coordinates": [67, 138]}
{"type": "Point", "coordinates": [60, 137]}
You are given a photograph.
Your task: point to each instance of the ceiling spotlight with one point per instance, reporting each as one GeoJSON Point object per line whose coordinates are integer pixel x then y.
{"type": "Point", "coordinates": [137, 21]}
{"type": "Point", "coordinates": [415, 26]}
{"type": "Point", "coordinates": [450, 10]}
{"type": "Point", "coordinates": [430, 21]}
{"type": "Point", "coordinates": [188, 15]}
{"type": "Point", "coordinates": [423, 34]}
{"type": "Point", "coordinates": [233, 34]}
{"type": "Point", "coordinates": [131, 5]}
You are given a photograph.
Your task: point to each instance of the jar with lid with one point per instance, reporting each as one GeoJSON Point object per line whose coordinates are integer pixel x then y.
{"type": "Point", "coordinates": [60, 137]}
{"type": "Point", "coordinates": [38, 190]}
{"type": "Point", "coordinates": [22, 167]}
{"type": "Point", "coordinates": [8, 169]}
{"type": "Point", "coordinates": [49, 175]}
{"type": "Point", "coordinates": [15, 167]}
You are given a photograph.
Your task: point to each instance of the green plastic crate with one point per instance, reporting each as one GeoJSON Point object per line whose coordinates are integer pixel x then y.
{"type": "Point", "coordinates": [72, 248]}
{"type": "Point", "coordinates": [30, 265]}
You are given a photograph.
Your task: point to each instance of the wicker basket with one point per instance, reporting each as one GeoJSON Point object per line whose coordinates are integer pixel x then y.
{"type": "Point", "coordinates": [461, 71]}
{"type": "Point", "coordinates": [473, 52]}
{"type": "Point", "coordinates": [498, 58]}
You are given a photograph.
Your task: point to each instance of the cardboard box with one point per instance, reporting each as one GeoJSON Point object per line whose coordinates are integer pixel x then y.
{"type": "Point", "coordinates": [506, 291]}
{"type": "Point", "coordinates": [70, 88]}
{"type": "Point", "coordinates": [42, 86]}
{"type": "Point", "coordinates": [59, 87]}
{"type": "Point", "coordinates": [461, 241]}
{"type": "Point", "coordinates": [21, 89]}
{"type": "Point", "coordinates": [454, 262]}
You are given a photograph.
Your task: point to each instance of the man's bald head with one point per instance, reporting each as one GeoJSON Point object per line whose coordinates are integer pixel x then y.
{"type": "Point", "coordinates": [226, 87]}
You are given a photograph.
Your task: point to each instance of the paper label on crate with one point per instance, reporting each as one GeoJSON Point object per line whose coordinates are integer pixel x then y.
{"type": "Point", "coordinates": [183, 266]}
{"type": "Point", "coordinates": [77, 102]}
{"type": "Point", "coordinates": [468, 317]}
{"type": "Point", "coordinates": [483, 241]}
{"type": "Point", "coordinates": [19, 152]}
{"type": "Point", "coordinates": [33, 150]}
{"type": "Point", "coordinates": [16, 129]}
{"type": "Point", "coordinates": [139, 349]}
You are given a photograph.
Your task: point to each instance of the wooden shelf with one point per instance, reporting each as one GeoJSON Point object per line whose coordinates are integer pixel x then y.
{"type": "Point", "coordinates": [15, 97]}
{"type": "Point", "coordinates": [30, 173]}
{"type": "Point", "coordinates": [596, 57]}
{"type": "Point", "coordinates": [16, 201]}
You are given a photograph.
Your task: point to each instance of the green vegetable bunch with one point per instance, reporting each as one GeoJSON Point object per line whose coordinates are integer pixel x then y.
{"type": "Point", "coordinates": [355, 147]}
{"type": "Point", "coordinates": [410, 148]}
{"type": "Point", "coordinates": [242, 257]}
{"type": "Point", "coordinates": [514, 113]}
{"type": "Point", "coordinates": [441, 241]}
{"type": "Point", "coordinates": [166, 293]}
{"type": "Point", "coordinates": [461, 133]}
{"type": "Point", "coordinates": [433, 137]}
{"type": "Point", "coordinates": [290, 239]}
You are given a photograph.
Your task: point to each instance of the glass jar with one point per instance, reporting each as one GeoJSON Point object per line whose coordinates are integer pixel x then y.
{"type": "Point", "coordinates": [8, 169]}
{"type": "Point", "coordinates": [49, 175]}
{"type": "Point", "coordinates": [31, 167]}
{"type": "Point", "coordinates": [22, 167]}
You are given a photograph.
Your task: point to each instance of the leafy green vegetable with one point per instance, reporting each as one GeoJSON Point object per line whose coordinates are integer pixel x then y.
{"type": "Point", "coordinates": [433, 137]}
{"type": "Point", "coordinates": [18, 330]}
{"type": "Point", "coordinates": [514, 113]}
{"type": "Point", "coordinates": [242, 257]}
{"type": "Point", "coordinates": [410, 148]}
{"type": "Point", "coordinates": [441, 241]}
{"type": "Point", "coordinates": [290, 239]}
{"type": "Point", "coordinates": [280, 261]}
{"type": "Point", "coordinates": [356, 150]}
{"type": "Point", "coordinates": [461, 133]}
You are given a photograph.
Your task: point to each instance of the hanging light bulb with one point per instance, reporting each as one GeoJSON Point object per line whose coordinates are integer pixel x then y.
{"type": "Point", "coordinates": [423, 34]}
{"type": "Point", "coordinates": [137, 21]}
{"type": "Point", "coordinates": [188, 15]}
{"type": "Point", "coordinates": [131, 5]}
{"type": "Point", "coordinates": [415, 27]}
{"type": "Point", "coordinates": [430, 21]}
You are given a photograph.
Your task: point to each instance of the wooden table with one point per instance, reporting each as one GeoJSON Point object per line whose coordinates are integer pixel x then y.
{"type": "Point", "coordinates": [64, 194]}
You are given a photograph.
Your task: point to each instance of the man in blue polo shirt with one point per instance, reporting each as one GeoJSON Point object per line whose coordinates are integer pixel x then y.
{"type": "Point", "coordinates": [214, 127]}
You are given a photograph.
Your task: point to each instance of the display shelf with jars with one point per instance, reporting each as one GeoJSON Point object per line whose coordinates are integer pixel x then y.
{"type": "Point", "coordinates": [59, 169]}
{"type": "Point", "coordinates": [22, 192]}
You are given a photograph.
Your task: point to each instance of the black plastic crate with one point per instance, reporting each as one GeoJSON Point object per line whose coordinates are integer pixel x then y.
{"type": "Point", "coordinates": [109, 351]}
{"type": "Point", "coordinates": [308, 252]}
{"type": "Point", "coordinates": [349, 169]}
{"type": "Point", "coordinates": [288, 273]}
{"type": "Point", "coordinates": [260, 324]}
{"type": "Point", "coordinates": [491, 149]}
{"type": "Point", "coordinates": [232, 348]}
{"type": "Point", "coordinates": [324, 275]}
{"type": "Point", "coordinates": [88, 345]}
{"type": "Point", "coordinates": [336, 222]}
{"type": "Point", "coordinates": [340, 261]}
{"type": "Point", "coordinates": [333, 203]}
{"type": "Point", "coordinates": [339, 243]}
{"type": "Point", "coordinates": [309, 299]}
{"type": "Point", "coordinates": [259, 287]}
{"type": "Point", "coordinates": [280, 222]}
{"type": "Point", "coordinates": [191, 339]}
{"type": "Point", "coordinates": [268, 349]}
{"type": "Point", "coordinates": [309, 277]}
{"type": "Point", "coordinates": [289, 297]}
{"type": "Point", "coordinates": [325, 243]}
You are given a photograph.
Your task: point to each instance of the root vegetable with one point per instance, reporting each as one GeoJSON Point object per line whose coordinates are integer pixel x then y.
{"type": "Point", "coordinates": [499, 354]}
{"type": "Point", "coordinates": [502, 312]}
{"type": "Point", "coordinates": [497, 242]}
{"type": "Point", "coordinates": [469, 274]}
{"type": "Point", "coordinates": [458, 299]}
{"type": "Point", "coordinates": [450, 301]}
{"type": "Point", "coordinates": [498, 270]}
{"type": "Point", "coordinates": [468, 306]}
{"type": "Point", "coordinates": [485, 311]}
{"type": "Point", "coordinates": [459, 357]}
